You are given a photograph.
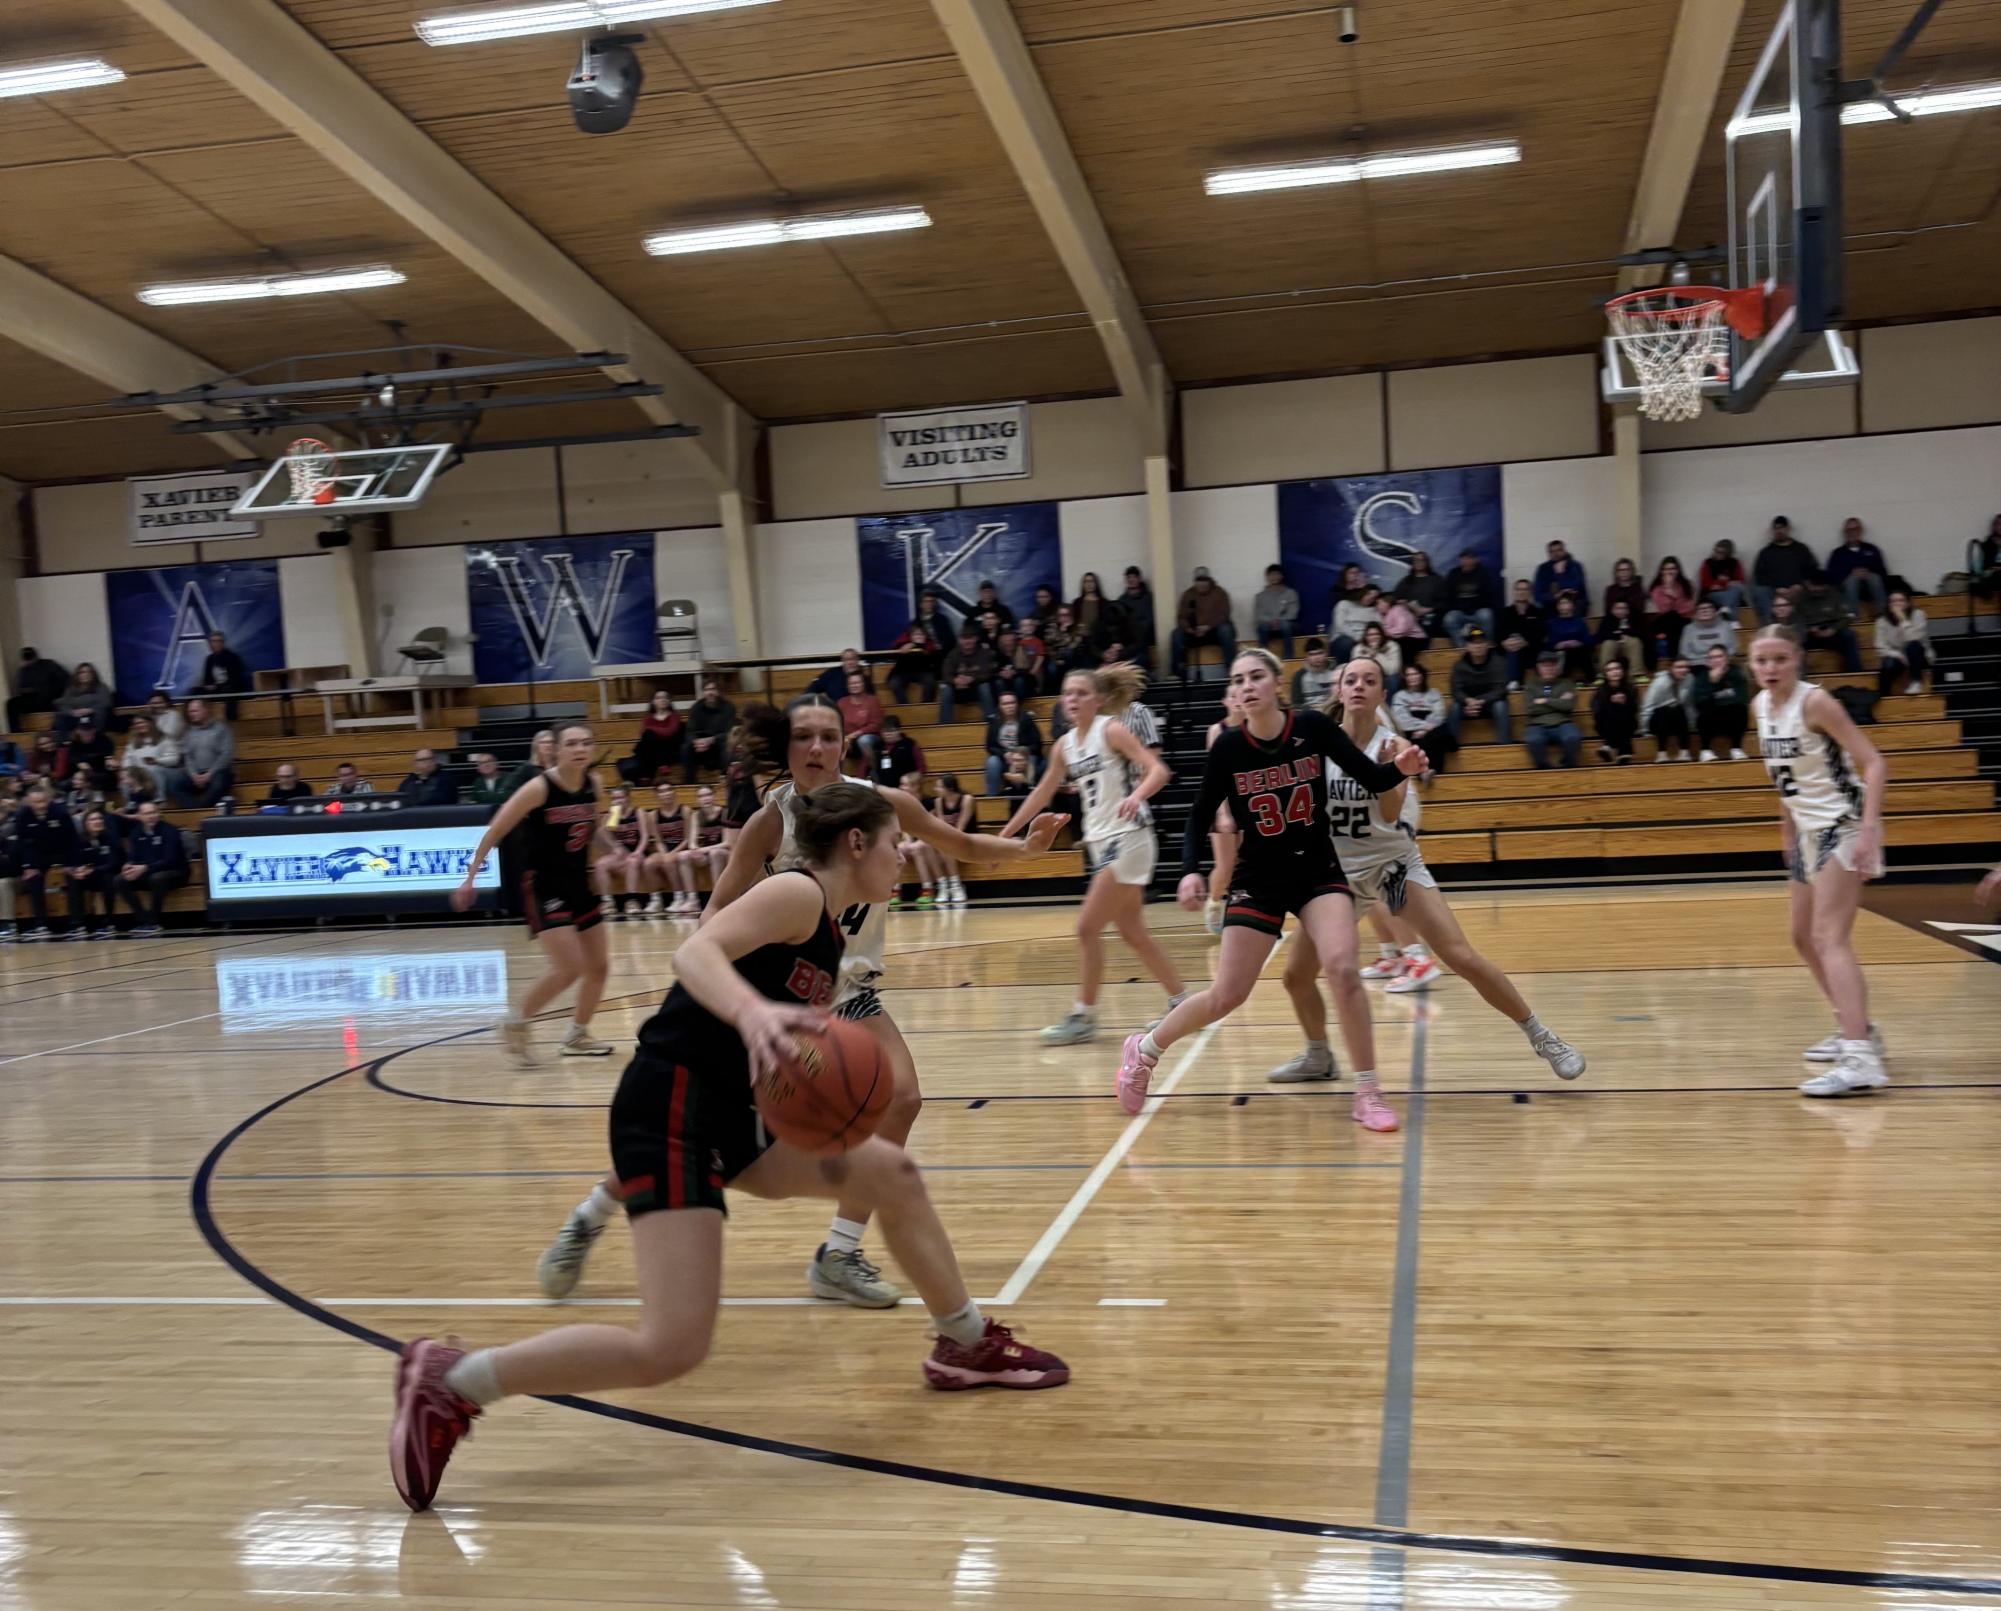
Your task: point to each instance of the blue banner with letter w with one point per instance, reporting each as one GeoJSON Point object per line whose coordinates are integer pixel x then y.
{"type": "Point", "coordinates": [555, 607]}
{"type": "Point", "coordinates": [1017, 547]}
{"type": "Point", "coordinates": [161, 618]}
{"type": "Point", "coordinates": [1379, 521]}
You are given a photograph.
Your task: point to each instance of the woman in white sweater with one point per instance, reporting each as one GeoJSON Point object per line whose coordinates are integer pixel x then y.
{"type": "Point", "coordinates": [1381, 648]}
{"type": "Point", "coordinates": [1903, 646]}
{"type": "Point", "coordinates": [1351, 615]}
{"type": "Point", "coordinates": [1419, 711]}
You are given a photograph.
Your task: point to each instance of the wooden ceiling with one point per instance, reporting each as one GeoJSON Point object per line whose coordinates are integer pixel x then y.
{"type": "Point", "coordinates": [840, 103]}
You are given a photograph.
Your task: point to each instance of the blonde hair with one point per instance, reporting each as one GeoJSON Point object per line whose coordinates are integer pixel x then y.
{"type": "Point", "coordinates": [1117, 685]}
{"type": "Point", "coordinates": [1780, 634]}
{"type": "Point", "coordinates": [1265, 657]}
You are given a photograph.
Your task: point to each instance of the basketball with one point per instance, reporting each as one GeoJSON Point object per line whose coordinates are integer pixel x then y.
{"type": "Point", "coordinates": [833, 1094]}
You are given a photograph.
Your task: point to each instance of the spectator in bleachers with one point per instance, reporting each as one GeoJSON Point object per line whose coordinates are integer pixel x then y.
{"type": "Point", "coordinates": [1668, 712]}
{"type": "Point", "coordinates": [898, 757]}
{"type": "Point", "coordinates": [87, 745]}
{"type": "Point", "coordinates": [1551, 697]}
{"type": "Point", "coordinates": [1626, 584]}
{"type": "Point", "coordinates": [1670, 604]}
{"type": "Point", "coordinates": [1352, 580]}
{"type": "Point", "coordinates": [147, 751]}
{"type": "Point", "coordinates": [1423, 589]}
{"type": "Point", "coordinates": [991, 626]}
{"type": "Point", "coordinates": [91, 870]}
{"type": "Point", "coordinates": [1523, 629]}
{"type": "Point", "coordinates": [1615, 712]}
{"type": "Point", "coordinates": [10, 868]}
{"type": "Point", "coordinates": [156, 863]}
{"type": "Point", "coordinates": [1017, 668]}
{"type": "Point", "coordinates": [1013, 727]}
{"type": "Point", "coordinates": [541, 756]}
{"type": "Point", "coordinates": [658, 744]}
{"type": "Point", "coordinates": [861, 719]}
{"type": "Point", "coordinates": [44, 839]}
{"type": "Point", "coordinates": [1783, 563]}
{"type": "Point", "coordinates": [45, 758]}
{"type": "Point", "coordinates": [710, 719]}
{"type": "Point", "coordinates": [1857, 567]}
{"type": "Point", "coordinates": [1136, 604]}
{"type": "Point", "coordinates": [832, 683]}
{"type": "Point", "coordinates": [967, 675]}
{"type": "Point", "coordinates": [919, 653]}
{"type": "Point", "coordinates": [1064, 648]}
{"type": "Point", "coordinates": [1569, 634]}
{"type": "Point", "coordinates": [989, 599]}
{"type": "Point", "coordinates": [1618, 638]}
{"type": "Point", "coordinates": [1314, 681]}
{"type": "Point", "coordinates": [13, 759]}
{"type": "Point", "coordinates": [488, 787]}
{"type": "Point", "coordinates": [1722, 579]}
{"type": "Point", "coordinates": [1401, 627]}
{"type": "Point", "coordinates": [1558, 575]}
{"type": "Point", "coordinates": [1202, 617]}
{"type": "Point", "coordinates": [1089, 607]}
{"type": "Point", "coordinates": [348, 782]}
{"type": "Point", "coordinates": [1820, 615]}
{"type": "Point", "coordinates": [1276, 608]}
{"type": "Point", "coordinates": [1032, 651]}
{"type": "Point", "coordinates": [1375, 645]}
{"type": "Point", "coordinates": [1471, 597]}
{"type": "Point", "coordinates": [1354, 613]}
{"type": "Point", "coordinates": [1722, 705]}
{"type": "Point", "coordinates": [208, 760]}
{"type": "Point", "coordinates": [1903, 645]}
{"type": "Point", "coordinates": [1018, 777]}
{"type": "Point", "coordinates": [1479, 686]}
{"type": "Point", "coordinates": [38, 684]}
{"type": "Point", "coordinates": [427, 783]}
{"type": "Point", "coordinates": [288, 786]}
{"type": "Point", "coordinates": [223, 674]}
{"type": "Point", "coordinates": [85, 695]}
{"type": "Point", "coordinates": [168, 720]}
{"type": "Point", "coordinates": [1709, 626]}
{"type": "Point", "coordinates": [135, 788]}
{"type": "Point", "coordinates": [1423, 715]}
{"type": "Point", "coordinates": [937, 621]}
{"type": "Point", "coordinates": [1984, 580]}
{"type": "Point", "coordinates": [83, 790]}
{"type": "Point", "coordinates": [1046, 600]}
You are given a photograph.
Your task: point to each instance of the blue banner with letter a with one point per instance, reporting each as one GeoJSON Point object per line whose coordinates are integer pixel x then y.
{"type": "Point", "coordinates": [161, 618]}
{"type": "Point", "coordinates": [555, 607]}
{"type": "Point", "coordinates": [1017, 547]}
{"type": "Point", "coordinates": [1379, 521]}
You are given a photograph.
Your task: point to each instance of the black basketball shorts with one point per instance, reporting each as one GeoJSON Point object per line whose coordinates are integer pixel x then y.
{"type": "Point", "coordinates": [680, 1134]}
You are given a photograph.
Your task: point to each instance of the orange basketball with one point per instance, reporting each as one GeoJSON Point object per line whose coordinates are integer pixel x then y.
{"type": "Point", "coordinates": [833, 1094]}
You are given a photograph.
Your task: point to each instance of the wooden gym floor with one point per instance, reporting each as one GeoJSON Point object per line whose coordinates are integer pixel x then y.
{"type": "Point", "coordinates": [1675, 1336]}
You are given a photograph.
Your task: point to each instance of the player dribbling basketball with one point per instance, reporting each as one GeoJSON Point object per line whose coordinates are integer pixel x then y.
{"type": "Point", "coordinates": [684, 1127]}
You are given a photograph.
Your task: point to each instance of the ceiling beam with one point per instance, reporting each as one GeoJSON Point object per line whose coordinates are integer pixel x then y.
{"type": "Point", "coordinates": [1697, 59]}
{"type": "Point", "coordinates": [995, 57]}
{"type": "Point", "coordinates": [273, 61]}
{"type": "Point", "coordinates": [88, 337]}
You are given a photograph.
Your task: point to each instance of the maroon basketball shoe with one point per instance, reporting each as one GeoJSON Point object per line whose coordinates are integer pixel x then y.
{"type": "Point", "coordinates": [430, 1420]}
{"type": "Point", "coordinates": [996, 1360]}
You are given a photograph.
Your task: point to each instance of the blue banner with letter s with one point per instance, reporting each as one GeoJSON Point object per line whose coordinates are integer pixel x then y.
{"type": "Point", "coordinates": [161, 618]}
{"type": "Point", "coordinates": [949, 552]}
{"type": "Point", "coordinates": [555, 607]}
{"type": "Point", "coordinates": [1379, 521]}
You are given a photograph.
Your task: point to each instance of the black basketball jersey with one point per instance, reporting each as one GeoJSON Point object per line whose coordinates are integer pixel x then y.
{"type": "Point", "coordinates": [670, 828]}
{"type": "Point", "coordinates": [556, 835]}
{"type": "Point", "coordinates": [627, 832]}
{"type": "Point", "coordinates": [1276, 790]}
{"type": "Point", "coordinates": [806, 973]}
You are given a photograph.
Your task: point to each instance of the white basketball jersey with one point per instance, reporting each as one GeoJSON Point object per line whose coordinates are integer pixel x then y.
{"type": "Point", "coordinates": [1363, 836]}
{"type": "Point", "coordinates": [864, 927]}
{"type": "Point", "coordinates": [1812, 772]}
{"type": "Point", "coordinates": [1102, 778]}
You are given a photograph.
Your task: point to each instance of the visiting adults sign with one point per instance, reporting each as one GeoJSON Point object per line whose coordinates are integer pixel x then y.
{"type": "Point", "coordinates": [926, 447]}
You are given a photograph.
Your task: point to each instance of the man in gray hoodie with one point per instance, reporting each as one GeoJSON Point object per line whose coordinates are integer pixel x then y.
{"type": "Point", "coordinates": [1277, 608]}
{"type": "Point", "coordinates": [1708, 627]}
{"type": "Point", "coordinates": [208, 760]}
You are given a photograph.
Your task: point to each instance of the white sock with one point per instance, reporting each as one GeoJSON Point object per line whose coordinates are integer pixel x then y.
{"type": "Point", "coordinates": [964, 1326]}
{"type": "Point", "coordinates": [474, 1378]}
{"type": "Point", "coordinates": [579, 1030]}
{"type": "Point", "coordinates": [599, 1207]}
{"type": "Point", "coordinates": [845, 1235]}
{"type": "Point", "coordinates": [1149, 1046]}
{"type": "Point", "coordinates": [1416, 952]}
{"type": "Point", "coordinates": [1861, 1049]}
{"type": "Point", "coordinates": [1174, 1001]}
{"type": "Point", "coordinates": [513, 1018]}
{"type": "Point", "coordinates": [1531, 1026]}
{"type": "Point", "coordinates": [1083, 1009]}
{"type": "Point", "coordinates": [1317, 1048]}
{"type": "Point", "coordinates": [1365, 1080]}
{"type": "Point", "coordinates": [1387, 950]}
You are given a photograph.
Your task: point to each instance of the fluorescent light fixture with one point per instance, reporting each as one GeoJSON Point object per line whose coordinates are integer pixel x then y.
{"type": "Point", "coordinates": [1348, 170]}
{"type": "Point", "coordinates": [45, 78]}
{"type": "Point", "coordinates": [774, 232]}
{"type": "Point", "coordinates": [1967, 98]}
{"type": "Point", "coordinates": [251, 289]}
{"type": "Point", "coordinates": [561, 17]}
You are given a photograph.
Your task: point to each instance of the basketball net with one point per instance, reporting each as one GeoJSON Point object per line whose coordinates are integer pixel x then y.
{"type": "Point", "coordinates": [1677, 337]}
{"type": "Point", "coordinates": [310, 465]}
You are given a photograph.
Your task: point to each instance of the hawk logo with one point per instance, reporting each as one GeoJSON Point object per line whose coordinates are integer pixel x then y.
{"type": "Point", "coordinates": [354, 859]}
{"type": "Point", "coordinates": [564, 600]}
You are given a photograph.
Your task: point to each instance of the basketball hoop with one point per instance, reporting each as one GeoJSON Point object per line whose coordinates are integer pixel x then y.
{"type": "Point", "coordinates": [1677, 337]}
{"type": "Point", "coordinates": [310, 465]}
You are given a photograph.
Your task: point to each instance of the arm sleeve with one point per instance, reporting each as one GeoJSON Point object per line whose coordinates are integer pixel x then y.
{"type": "Point", "coordinates": [1332, 740]}
{"type": "Point", "coordinates": [1215, 789]}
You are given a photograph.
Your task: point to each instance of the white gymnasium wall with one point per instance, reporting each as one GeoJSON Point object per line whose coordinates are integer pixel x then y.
{"type": "Point", "coordinates": [1233, 531]}
{"type": "Point", "coordinates": [1530, 408]}
{"type": "Point", "coordinates": [1103, 535]}
{"type": "Point", "coordinates": [1922, 495]}
{"type": "Point", "coordinates": [416, 588]}
{"type": "Point", "coordinates": [691, 564]}
{"type": "Point", "coordinates": [65, 617]}
{"type": "Point", "coordinates": [1919, 377]}
{"type": "Point", "coordinates": [489, 498]}
{"type": "Point", "coordinates": [312, 617]}
{"type": "Point", "coordinates": [1571, 500]}
{"type": "Point", "coordinates": [809, 597]}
